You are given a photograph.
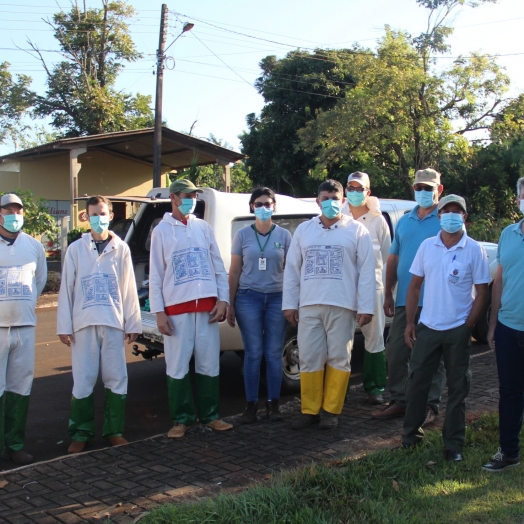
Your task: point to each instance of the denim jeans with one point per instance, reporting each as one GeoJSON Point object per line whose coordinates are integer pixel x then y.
{"type": "Point", "coordinates": [509, 350]}
{"type": "Point", "coordinates": [263, 328]}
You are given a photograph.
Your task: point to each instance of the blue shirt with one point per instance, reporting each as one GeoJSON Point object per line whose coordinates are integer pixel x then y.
{"type": "Point", "coordinates": [510, 256]}
{"type": "Point", "coordinates": [410, 233]}
{"type": "Point", "coordinates": [246, 246]}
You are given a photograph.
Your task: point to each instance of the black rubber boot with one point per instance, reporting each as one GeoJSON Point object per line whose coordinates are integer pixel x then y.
{"type": "Point", "coordinates": [250, 415]}
{"type": "Point", "coordinates": [273, 414]}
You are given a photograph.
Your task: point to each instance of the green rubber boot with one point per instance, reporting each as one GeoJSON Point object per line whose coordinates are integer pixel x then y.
{"type": "Point", "coordinates": [114, 414]}
{"type": "Point", "coordinates": [208, 395]}
{"type": "Point", "coordinates": [82, 419]}
{"type": "Point", "coordinates": [180, 394]}
{"type": "Point", "coordinates": [374, 374]}
{"type": "Point", "coordinates": [2, 403]}
{"type": "Point", "coordinates": [15, 417]}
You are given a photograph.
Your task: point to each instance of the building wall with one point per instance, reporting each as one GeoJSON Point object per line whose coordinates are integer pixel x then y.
{"type": "Point", "coordinates": [101, 173]}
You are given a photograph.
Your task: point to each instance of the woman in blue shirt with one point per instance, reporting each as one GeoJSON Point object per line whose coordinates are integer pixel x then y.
{"type": "Point", "coordinates": [255, 282]}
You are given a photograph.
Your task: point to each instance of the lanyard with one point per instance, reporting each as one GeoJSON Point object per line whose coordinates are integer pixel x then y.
{"type": "Point", "coordinates": [267, 240]}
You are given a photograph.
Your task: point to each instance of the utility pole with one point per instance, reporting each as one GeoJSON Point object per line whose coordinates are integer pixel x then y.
{"type": "Point", "coordinates": [157, 150]}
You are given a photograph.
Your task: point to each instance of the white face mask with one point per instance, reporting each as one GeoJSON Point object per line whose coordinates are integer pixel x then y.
{"type": "Point", "coordinates": [522, 205]}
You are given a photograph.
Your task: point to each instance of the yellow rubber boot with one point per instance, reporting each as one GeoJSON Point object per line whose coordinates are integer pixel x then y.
{"type": "Point", "coordinates": [311, 391]}
{"type": "Point", "coordinates": [335, 387]}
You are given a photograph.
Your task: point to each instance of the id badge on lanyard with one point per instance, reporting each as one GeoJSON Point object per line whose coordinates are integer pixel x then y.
{"type": "Point", "coordinates": [262, 261]}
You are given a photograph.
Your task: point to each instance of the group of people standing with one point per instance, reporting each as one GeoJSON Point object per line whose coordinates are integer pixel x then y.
{"type": "Point", "coordinates": [325, 280]}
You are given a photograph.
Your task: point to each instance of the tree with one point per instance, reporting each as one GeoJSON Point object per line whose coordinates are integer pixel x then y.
{"type": "Point", "coordinates": [211, 175]}
{"type": "Point", "coordinates": [403, 113]}
{"type": "Point", "coordinates": [15, 98]}
{"type": "Point", "coordinates": [294, 89]}
{"type": "Point", "coordinates": [81, 98]}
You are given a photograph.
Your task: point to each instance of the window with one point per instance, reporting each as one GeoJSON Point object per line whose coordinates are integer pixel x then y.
{"type": "Point", "coordinates": [289, 222]}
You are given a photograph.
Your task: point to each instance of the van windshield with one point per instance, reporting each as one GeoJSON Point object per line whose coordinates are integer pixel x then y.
{"type": "Point", "coordinates": [289, 222]}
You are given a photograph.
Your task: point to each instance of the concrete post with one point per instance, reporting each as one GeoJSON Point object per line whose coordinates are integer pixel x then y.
{"type": "Point", "coordinates": [226, 178]}
{"type": "Point", "coordinates": [74, 169]}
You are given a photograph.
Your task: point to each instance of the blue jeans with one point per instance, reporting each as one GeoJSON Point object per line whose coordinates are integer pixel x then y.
{"type": "Point", "coordinates": [509, 349]}
{"type": "Point", "coordinates": [263, 328]}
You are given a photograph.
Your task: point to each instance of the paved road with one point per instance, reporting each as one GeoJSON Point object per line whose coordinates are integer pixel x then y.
{"type": "Point", "coordinates": [147, 409]}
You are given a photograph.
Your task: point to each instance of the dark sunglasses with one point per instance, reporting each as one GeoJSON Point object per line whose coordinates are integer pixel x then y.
{"type": "Point", "coordinates": [260, 204]}
{"type": "Point", "coordinates": [425, 188]}
{"type": "Point", "coordinates": [352, 189]}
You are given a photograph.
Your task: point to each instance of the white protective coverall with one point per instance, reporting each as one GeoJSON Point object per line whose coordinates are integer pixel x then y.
{"type": "Point", "coordinates": [23, 274]}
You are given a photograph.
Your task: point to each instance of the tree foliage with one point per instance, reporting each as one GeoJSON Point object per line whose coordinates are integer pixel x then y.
{"type": "Point", "coordinates": [81, 98]}
{"type": "Point", "coordinates": [404, 113]}
{"type": "Point", "coordinates": [294, 89]}
{"type": "Point", "coordinates": [15, 98]}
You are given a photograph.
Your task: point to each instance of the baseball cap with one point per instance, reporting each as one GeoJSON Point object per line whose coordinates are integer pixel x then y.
{"type": "Point", "coordinates": [452, 198]}
{"type": "Point", "coordinates": [183, 185]}
{"type": "Point", "coordinates": [10, 198]}
{"type": "Point", "coordinates": [360, 177]}
{"type": "Point", "coordinates": [427, 176]}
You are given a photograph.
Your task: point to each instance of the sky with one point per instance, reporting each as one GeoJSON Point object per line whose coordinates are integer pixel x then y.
{"type": "Point", "coordinates": [210, 77]}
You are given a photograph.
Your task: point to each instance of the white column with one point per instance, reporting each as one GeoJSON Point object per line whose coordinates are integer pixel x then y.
{"type": "Point", "coordinates": [74, 169]}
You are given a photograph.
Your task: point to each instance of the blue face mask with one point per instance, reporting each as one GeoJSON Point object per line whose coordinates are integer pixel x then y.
{"type": "Point", "coordinates": [263, 213]}
{"type": "Point", "coordinates": [13, 223]}
{"type": "Point", "coordinates": [99, 224]}
{"type": "Point", "coordinates": [330, 208]}
{"type": "Point", "coordinates": [451, 222]}
{"type": "Point", "coordinates": [355, 198]}
{"type": "Point", "coordinates": [188, 206]}
{"type": "Point", "coordinates": [425, 198]}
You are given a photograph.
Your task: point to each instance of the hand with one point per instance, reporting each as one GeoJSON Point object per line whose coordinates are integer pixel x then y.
{"type": "Point", "coordinates": [131, 337]}
{"type": "Point", "coordinates": [291, 316]}
{"type": "Point", "coordinates": [363, 319]}
{"type": "Point", "coordinates": [164, 324]}
{"type": "Point", "coordinates": [231, 316]}
{"type": "Point", "coordinates": [389, 306]}
{"type": "Point", "coordinates": [66, 339]}
{"type": "Point", "coordinates": [410, 335]}
{"type": "Point", "coordinates": [491, 338]}
{"type": "Point", "coordinates": [218, 313]}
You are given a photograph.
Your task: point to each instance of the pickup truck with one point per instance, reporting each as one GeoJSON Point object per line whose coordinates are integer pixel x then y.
{"type": "Point", "coordinates": [227, 213]}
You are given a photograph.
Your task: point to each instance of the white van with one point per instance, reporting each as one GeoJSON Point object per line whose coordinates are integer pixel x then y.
{"type": "Point", "coordinates": [227, 213]}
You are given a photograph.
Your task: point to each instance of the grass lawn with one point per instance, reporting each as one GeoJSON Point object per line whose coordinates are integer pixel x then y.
{"type": "Point", "coordinates": [399, 486]}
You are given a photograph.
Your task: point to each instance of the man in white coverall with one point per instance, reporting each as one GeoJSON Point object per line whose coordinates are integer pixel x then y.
{"type": "Point", "coordinates": [329, 283]}
{"type": "Point", "coordinates": [98, 310]}
{"type": "Point", "coordinates": [366, 209]}
{"type": "Point", "coordinates": [23, 274]}
{"type": "Point", "coordinates": [189, 292]}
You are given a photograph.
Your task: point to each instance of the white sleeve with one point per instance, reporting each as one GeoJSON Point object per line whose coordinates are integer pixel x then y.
{"type": "Point", "coordinates": [66, 295]}
{"type": "Point", "coordinates": [130, 303]}
{"type": "Point", "coordinates": [291, 286]}
{"type": "Point", "coordinates": [417, 267]}
{"type": "Point", "coordinates": [41, 270]}
{"type": "Point", "coordinates": [366, 286]}
{"type": "Point", "coordinates": [156, 272]}
{"type": "Point", "coordinates": [218, 266]}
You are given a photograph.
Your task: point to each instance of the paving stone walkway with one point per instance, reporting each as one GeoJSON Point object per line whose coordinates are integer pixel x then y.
{"type": "Point", "coordinates": [124, 483]}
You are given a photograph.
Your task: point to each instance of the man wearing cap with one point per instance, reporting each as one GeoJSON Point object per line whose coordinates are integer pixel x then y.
{"type": "Point", "coordinates": [366, 210]}
{"type": "Point", "coordinates": [23, 274]}
{"type": "Point", "coordinates": [188, 291]}
{"type": "Point", "coordinates": [412, 229]}
{"type": "Point", "coordinates": [450, 264]}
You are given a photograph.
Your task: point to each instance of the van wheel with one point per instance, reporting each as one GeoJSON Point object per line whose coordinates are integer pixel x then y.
{"type": "Point", "coordinates": [480, 331]}
{"type": "Point", "coordinates": [290, 363]}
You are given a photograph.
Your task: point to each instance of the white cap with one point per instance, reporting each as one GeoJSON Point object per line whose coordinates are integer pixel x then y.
{"type": "Point", "coordinates": [10, 198]}
{"type": "Point", "coordinates": [361, 178]}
